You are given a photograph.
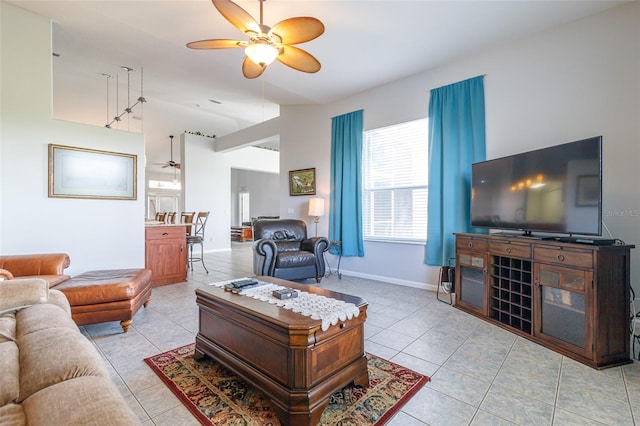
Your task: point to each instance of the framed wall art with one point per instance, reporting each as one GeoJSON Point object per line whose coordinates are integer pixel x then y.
{"type": "Point", "coordinates": [588, 191]}
{"type": "Point", "coordinates": [302, 182]}
{"type": "Point", "coordinates": [89, 173]}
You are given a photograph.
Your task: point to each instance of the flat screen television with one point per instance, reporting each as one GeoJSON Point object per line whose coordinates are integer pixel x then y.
{"type": "Point", "coordinates": [556, 189]}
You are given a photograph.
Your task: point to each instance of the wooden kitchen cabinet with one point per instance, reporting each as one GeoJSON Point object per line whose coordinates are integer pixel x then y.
{"type": "Point", "coordinates": [166, 254]}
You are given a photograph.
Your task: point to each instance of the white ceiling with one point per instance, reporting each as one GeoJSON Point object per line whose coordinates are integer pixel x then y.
{"type": "Point", "coordinates": [365, 44]}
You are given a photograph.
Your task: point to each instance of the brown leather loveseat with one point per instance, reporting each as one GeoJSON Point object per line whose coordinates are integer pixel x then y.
{"type": "Point", "coordinates": [48, 266]}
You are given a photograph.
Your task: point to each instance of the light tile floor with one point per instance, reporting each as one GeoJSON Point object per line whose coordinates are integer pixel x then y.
{"type": "Point", "coordinates": [480, 373]}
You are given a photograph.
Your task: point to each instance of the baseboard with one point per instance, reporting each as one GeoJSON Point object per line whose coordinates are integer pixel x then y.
{"type": "Point", "coordinates": [391, 280]}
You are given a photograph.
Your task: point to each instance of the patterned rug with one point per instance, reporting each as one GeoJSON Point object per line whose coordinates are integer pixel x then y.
{"type": "Point", "coordinates": [216, 396]}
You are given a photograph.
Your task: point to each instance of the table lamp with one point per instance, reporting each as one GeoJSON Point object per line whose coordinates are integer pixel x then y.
{"type": "Point", "coordinates": [316, 209]}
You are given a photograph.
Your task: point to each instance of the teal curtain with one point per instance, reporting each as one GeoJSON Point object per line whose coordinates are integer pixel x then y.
{"type": "Point", "coordinates": [456, 140]}
{"type": "Point", "coordinates": [345, 218]}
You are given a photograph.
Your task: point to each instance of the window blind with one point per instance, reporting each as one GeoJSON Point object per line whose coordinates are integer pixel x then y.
{"type": "Point", "coordinates": [394, 192]}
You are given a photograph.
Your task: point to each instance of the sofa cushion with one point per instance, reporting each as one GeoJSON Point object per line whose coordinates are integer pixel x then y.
{"type": "Point", "coordinates": [12, 415]}
{"type": "Point", "coordinates": [41, 317]}
{"type": "Point", "coordinates": [280, 230]}
{"type": "Point", "coordinates": [53, 280]}
{"type": "Point", "coordinates": [292, 259]}
{"type": "Point", "coordinates": [287, 246]}
{"type": "Point", "coordinates": [53, 355]}
{"type": "Point", "coordinates": [19, 293]}
{"type": "Point", "coordinates": [10, 368]}
{"type": "Point", "coordinates": [56, 297]}
{"type": "Point", "coordinates": [80, 401]}
{"type": "Point", "coordinates": [7, 328]}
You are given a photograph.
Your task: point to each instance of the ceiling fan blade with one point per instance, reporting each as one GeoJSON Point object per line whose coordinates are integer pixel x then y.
{"type": "Point", "coordinates": [251, 69]}
{"type": "Point", "coordinates": [238, 17]}
{"type": "Point", "coordinates": [178, 166]}
{"type": "Point", "coordinates": [215, 44]}
{"type": "Point", "coordinates": [298, 59]}
{"type": "Point", "coordinates": [165, 166]}
{"type": "Point", "coordinates": [298, 30]}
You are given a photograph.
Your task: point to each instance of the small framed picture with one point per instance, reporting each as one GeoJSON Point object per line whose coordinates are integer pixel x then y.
{"type": "Point", "coordinates": [302, 182]}
{"type": "Point", "coordinates": [88, 173]}
{"type": "Point", "coordinates": [588, 191]}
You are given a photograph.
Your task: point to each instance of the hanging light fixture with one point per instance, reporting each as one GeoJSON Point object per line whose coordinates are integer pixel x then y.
{"type": "Point", "coordinates": [175, 175]}
{"type": "Point", "coordinates": [130, 107]}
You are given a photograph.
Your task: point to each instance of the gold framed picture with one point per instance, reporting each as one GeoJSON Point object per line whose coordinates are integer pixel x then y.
{"type": "Point", "coordinates": [89, 173]}
{"type": "Point", "coordinates": [302, 182]}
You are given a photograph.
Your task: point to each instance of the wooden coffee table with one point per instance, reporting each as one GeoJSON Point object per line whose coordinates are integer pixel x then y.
{"type": "Point", "coordinates": [284, 354]}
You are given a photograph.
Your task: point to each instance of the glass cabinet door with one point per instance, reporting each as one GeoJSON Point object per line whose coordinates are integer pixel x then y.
{"type": "Point", "coordinates": [471, 290]}
{"type": "Point", "coordinates": [562, 300]}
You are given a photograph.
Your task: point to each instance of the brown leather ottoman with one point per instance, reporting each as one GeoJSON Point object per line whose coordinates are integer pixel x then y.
{"type": "Point", "coordinates": [110, 295]}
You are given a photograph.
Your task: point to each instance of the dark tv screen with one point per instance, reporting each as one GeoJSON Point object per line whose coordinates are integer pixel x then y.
{"type": "Point", "coordinates": [556, 189]}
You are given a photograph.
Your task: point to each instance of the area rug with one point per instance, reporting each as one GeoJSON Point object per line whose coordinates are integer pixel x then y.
{"type": "Point", "coordinates": [216, 396]}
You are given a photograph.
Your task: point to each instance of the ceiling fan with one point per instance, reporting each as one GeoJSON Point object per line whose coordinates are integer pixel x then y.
{"type": "Point", "coordinates": [169, 163]}
{"type": "Point", "coordinates": [267, 44]}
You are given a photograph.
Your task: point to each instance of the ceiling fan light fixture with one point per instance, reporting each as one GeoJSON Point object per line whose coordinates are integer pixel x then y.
{"type": "Point", "coordinates": [261, 53]}
{"type": "Point", "coordinates": [265, 44]}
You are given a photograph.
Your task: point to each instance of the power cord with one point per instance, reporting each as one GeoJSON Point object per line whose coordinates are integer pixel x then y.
{"type": "Point", "coordinates": [616, 241]}
{"type": "Point", "coordinates": [635, 318]}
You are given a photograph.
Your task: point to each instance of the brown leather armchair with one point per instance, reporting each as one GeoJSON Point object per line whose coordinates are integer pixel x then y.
{"type": "Point", "coordinates": [283, 250]}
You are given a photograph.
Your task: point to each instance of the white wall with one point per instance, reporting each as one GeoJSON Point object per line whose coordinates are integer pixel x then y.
{"type": "Point", "coordinates": [97, 234]}
{"type": "Point", "coordinates": [207, 182]}
{"type": "Point", "coordinates": [260, 186]}
{"type": "Point", "coordinates": [569, 83]}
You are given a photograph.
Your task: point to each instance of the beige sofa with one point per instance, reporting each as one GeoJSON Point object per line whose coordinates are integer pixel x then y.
{"type": "Point", "coordinates": [51, 374]}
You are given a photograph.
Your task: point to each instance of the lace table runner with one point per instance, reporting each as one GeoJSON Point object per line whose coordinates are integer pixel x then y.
{"type": "Point", "coordinates": [316, 306]}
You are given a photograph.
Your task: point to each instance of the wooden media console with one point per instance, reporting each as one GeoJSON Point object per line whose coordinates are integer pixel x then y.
{"type": "Point", "coordinates": [572, 298]}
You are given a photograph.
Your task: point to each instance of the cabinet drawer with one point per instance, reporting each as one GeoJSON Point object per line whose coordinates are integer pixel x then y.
{"type": "Point", "coordinates": [165, 232]}
{"type": "Point", "coordinates": [467, 243]}
{"type": "Point", "coordinates": [507, 248]}
{"type": "Point", "coordinates": [562, 256]}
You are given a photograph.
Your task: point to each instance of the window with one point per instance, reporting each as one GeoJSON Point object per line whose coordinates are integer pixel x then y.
{"type": "Point", "coordinates": [394, 182]}
{"type": "Point", "coordinates": [164, 184]}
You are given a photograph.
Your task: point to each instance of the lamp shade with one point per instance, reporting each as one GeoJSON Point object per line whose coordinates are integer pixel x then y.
{"type": "Point", "coordinates": [261, 53]}
{"type": "Point", "coordinates": [316, 206]}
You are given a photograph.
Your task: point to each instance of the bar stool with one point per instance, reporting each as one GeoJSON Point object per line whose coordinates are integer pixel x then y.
{"type": "Point", "coordinates": [161, 217]}
{"type": "Point", "coordinates": [187, 219]}
{"type": "Point", "coordinates": [197, 238]}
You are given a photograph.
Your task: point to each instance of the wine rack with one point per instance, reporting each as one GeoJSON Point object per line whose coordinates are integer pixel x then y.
{"type": "Point", "coordinates": [511, 292]}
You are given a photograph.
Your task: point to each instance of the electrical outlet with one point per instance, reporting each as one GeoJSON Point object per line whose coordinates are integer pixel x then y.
{"type": "Point", "coordinates": [290, 210]}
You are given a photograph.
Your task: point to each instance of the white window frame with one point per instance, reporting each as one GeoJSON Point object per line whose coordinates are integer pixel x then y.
{"type": "Point", "coordinates": [392, 139]}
